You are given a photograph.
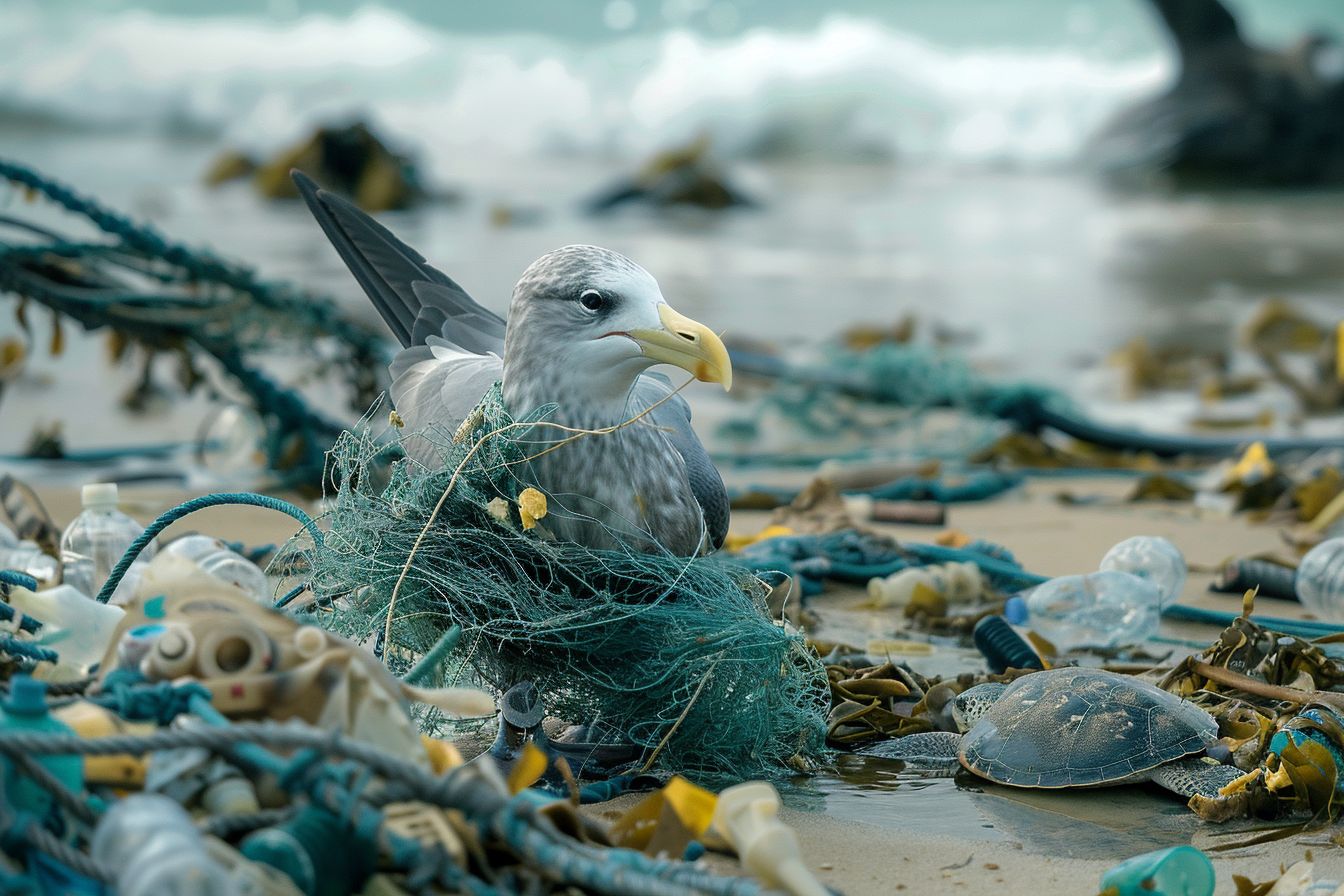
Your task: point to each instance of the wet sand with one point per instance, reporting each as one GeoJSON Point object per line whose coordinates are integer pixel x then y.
{"type": "Point", "coordinates": [897, 833]}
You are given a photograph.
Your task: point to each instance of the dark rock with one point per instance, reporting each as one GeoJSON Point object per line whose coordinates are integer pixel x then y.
{"type": "Point", "coordinates": [350, 160]}
{"type": "Point", "coordinates": [680, 176]}
{"type": "Point", "coordinates": [1236, 114]}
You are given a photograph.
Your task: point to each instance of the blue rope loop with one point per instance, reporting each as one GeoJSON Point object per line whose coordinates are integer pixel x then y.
{"type": "Point", "coordinates": [169, 517]}
{"type": "Point", "coordinates": [851, 556]}
{"type": "Point", "coordinates": [16, 647]}
{"type": "Point", "coordinates": [16, 579]}
{"type": "Point", "coordinates": [160, 702]}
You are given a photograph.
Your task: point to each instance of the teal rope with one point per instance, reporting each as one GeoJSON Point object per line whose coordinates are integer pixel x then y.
{"type": "Point", "coordinates": [290, 595]}
{"type": "Point", "coordinates": [17, 579]}
{"type": "Point", "coordinates": [169, 517]}
{"type": "Point", "coordinates": [435, 656]}
{"type": "Point", "coordinates": [1302, 628]}
{"type": "Point", "coordinates": [15, 647]}
{"type": "Point", "coordinates": [934, 553]}
{"type": "Point", "coordinates": [101, 301]}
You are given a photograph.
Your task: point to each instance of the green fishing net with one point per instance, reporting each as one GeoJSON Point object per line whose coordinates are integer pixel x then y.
{"type": "Point", "coordinates": [677, 655]}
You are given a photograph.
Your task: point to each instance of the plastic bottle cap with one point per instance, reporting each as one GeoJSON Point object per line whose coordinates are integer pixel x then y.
{"type": "Point", "coordinates": [99, 494]}
{"type": "Point", "coordinates": [27, 696]}
{"type": "Point", "coordinates": [1015, 610]}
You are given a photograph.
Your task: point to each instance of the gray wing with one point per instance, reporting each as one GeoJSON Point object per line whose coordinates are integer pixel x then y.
{"type": "Point", "coordinates": [453, 346]}
{"type": "Point", "coordinates": [673, 416]}
{"type": "Point", "coordinates": [416, 300]}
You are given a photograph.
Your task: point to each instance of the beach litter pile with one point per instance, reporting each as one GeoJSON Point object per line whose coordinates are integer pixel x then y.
{"type": "Point", "coordinates": [188, 737]}
{"type": "Point", "coordinates": [420, 689]}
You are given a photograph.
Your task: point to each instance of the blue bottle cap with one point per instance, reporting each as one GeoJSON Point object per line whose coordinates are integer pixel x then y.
{"type": "Point", "coordinates": [1015, 610]}
{"type": "Point", "coordinates": [27, 696]}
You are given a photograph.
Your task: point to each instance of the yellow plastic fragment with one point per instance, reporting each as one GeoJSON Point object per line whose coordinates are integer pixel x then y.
{"type": "Point", "coordinates": [667, 820]}
{"type": "Point", "coordinates": [896, 646]}
{"type": "Point", "coordinates": [952, 538]}
{"type": "Point", "coordinates": [1254, 466]}
{"type": "Point", "coordinates": [529, 768]}
{"type": "Point", "coordinates": [443, 755]}
{"type": "Point", "coordinates": [531, 507]}
{"type": "Point", "coordinates": [1331, 512]}
{"type": "Point", "coordinates": [1237, 785]}
{"type": "Point", "coordinates": [738, 542]}
{"type": "Point", "coordinates": [91, 720]}
{"type": "Point", "coordinates": [395, 419]}
{"type": "Point", "coordinates": [12, 355]}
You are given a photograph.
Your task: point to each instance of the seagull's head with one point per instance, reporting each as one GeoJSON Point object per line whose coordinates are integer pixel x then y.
{"type": "Point", "coordinates": [590, 317]}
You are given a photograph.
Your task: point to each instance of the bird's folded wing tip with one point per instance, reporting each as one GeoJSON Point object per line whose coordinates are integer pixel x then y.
{"type": "Point", "coordinates": [305, 183]}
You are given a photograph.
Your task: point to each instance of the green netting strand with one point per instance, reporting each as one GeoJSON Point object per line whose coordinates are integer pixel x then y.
{"type": "Point", "coordinates": [641, 643]}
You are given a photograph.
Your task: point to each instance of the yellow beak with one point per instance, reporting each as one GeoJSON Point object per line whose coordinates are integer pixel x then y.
{"type": "Point", "coordinates": [688, 344]}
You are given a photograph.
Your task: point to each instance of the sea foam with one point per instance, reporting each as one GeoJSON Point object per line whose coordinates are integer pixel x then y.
{"type": "Point", "coordinates": [852, 88]}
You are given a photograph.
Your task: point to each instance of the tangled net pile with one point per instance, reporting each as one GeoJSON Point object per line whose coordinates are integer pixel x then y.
{"type": "Point", "coordinates": [674, 654]}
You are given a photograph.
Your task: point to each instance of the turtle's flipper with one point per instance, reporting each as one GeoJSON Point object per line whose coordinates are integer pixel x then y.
{"type": "Point", "coordinates": [934, 751]}
{"type": "Point", "coordinates": [1198, 776]}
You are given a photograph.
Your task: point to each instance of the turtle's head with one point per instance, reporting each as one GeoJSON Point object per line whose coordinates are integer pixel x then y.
{"type": "Point", "coordinates": [971, 704]}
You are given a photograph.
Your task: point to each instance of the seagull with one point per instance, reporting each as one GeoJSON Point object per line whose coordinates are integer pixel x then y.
{"type": "Point", "coordinates": [585, 325]}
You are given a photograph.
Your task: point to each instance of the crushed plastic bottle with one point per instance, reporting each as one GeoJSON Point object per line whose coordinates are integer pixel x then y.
{"type": "Point", "coordinates": [29, 559]}
{"type": "Point", "coordinates": [195, 546]}
{"type": "Point", "coordinates": [1104, 609]}
{"type": "Point", "coordinates": [232, 443]}
{"type": "Point", "coordinates": [96, 539]}
{"type": "Point", "coordinates": [156, 850]}
{"type": "Point", "coordinates": [216, 558]}
{"type": "Point", "coordinates": [1320, 580]}
{"type": "Point", "coordinates": [232, 567]}
{"type": "Point", "coordinates": [1153, 558]}
{"type": "Point", "coordinates": [26, 557]}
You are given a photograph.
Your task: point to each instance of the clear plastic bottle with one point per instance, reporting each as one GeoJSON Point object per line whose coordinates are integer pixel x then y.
{"type": "Point", "coordinates": [1320, 580]}
{"type": "Point", "coordinates": [232, 567]}
{"type": "Point", "coordinates": [1153, 558]}
{"type": "Point", "coordinates": [215, 557]}
{"type": "Point", "coordinates": [195, 546]}
{"type": "Point", "coordinates": [1105, 609]}
{"type": "Point", "coordinates": [96, 539]}
{"type": "Point", "coordinates": [155, 849]}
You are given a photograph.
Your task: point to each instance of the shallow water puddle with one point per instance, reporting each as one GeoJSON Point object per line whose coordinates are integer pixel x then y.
{"type": "Point", "coordinates": [879, 792]}
{"type": "Point", "coordinates": [1104, 823]}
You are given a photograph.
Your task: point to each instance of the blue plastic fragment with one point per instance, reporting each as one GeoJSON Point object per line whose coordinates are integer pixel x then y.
{"type": "Point", "coordinates": [1283, 736]}
{"type": "Point", "coordinates": [1177, 871]}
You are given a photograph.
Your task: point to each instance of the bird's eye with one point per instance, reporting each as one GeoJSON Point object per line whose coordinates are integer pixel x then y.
{"type": "Point", "coordinates": [592, 300]}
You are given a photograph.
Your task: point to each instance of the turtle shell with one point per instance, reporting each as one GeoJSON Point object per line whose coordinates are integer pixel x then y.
{"type": "Point", "coordinates": [1082, 727]}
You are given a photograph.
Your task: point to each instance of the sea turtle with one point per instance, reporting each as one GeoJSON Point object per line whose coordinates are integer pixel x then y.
{"type": "Point", "coordinates": [1073, 727]}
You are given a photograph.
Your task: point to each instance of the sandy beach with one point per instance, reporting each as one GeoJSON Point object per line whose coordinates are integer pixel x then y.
{"type": "Point", "coordinates": [899, 834]}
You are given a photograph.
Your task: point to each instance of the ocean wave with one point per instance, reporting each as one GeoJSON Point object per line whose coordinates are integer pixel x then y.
{"type": "Point", "coordinates": [850, 89]}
